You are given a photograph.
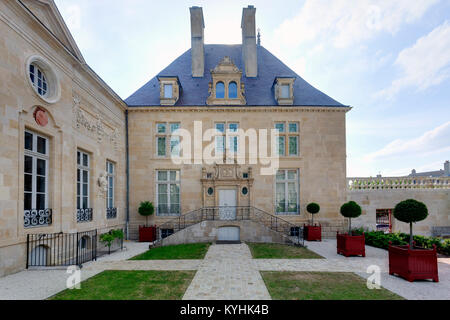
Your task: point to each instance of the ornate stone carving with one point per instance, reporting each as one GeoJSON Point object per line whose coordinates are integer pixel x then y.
{"type": "Point", "coordinates": [103, 184]}
{"type": "Point", "coordinates": [94, 126]}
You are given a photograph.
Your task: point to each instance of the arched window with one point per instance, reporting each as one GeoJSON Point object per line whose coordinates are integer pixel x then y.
{"type": "Point", "coordinates": [220, 90]}
{"type": "Point", "coordinates": [232, 90]}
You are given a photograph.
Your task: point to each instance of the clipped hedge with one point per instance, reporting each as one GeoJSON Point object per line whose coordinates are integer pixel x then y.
{"type": "Point", "coordinates": [379, 239]}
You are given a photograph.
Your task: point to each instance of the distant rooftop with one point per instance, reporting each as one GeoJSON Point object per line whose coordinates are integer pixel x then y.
{"type": "Point", "coordinates": [438, 173]}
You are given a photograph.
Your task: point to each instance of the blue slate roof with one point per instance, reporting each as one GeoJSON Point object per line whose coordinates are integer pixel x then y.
{"type": "Point", "coordinates": [258, 91]}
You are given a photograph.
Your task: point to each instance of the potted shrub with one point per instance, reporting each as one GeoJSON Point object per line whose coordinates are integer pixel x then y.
{"type": "Point", "coordinates": [146, 233]}
{"type": "Point", "coordinates": [349, 244]}
{"type": "Point", "coordinates": [408, 261]}
{"type": "Point", "coordinates": [313, 232]}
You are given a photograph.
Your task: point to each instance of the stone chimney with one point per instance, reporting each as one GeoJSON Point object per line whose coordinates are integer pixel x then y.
{"type": "Point", "coordinates": [197, 41]}
{"type": "Point", "coordinates": [447, 168]}
{"type": "Point", "coordinates": [249, 52]}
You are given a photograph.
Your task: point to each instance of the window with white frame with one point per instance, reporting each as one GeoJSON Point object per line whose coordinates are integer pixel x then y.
{"type": "Point", "coordinates": [38, 79]}
{"type": "Point", "coordinates": [36, 159]}
{"type": "Point", "coordinates": [287, 142]}
{"type": "Point", "coordinates": [233, 138]}
{"type": "Point", "coordinates": [167, 139]}
{"type": "Point", "coordinates": [83, 173]}
{"type": "Point", "coordinates": [220, 138]}
{"type": "Point", "coordinates": [287, 191]}
{"type": "Point", "coordinates": [168, 192]}
{"type": "Point", "coordinates": [110, 174]}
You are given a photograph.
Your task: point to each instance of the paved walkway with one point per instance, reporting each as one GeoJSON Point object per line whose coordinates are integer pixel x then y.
{"type": "Point", "coordinates": [227, 273]}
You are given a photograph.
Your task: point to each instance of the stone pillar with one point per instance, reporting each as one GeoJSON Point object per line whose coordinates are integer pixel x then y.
{"type": "Point", "coordinates": [249, 50]}
{"type": "Point", "coordinates": [197, 41]}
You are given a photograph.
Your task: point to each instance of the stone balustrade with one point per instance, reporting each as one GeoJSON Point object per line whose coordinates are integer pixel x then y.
{"type": "Point", "coordinates": [384, 183]}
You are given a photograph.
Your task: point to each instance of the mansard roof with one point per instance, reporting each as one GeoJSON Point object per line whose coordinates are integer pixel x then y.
{"type": "Point", "coordinates": [258, 91]}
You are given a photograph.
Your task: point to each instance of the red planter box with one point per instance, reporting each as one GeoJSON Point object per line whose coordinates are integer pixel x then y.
{"type": "Point", "coordinates": [312, 233]}
{"type": "Point", "coordinates": [413, 264]}
{"type": "Point", "coordinates": [351, 245]}
{"type": "Point", "coordinates": [147, 234]}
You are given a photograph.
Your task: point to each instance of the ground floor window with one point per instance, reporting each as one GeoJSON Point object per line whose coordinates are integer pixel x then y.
{"type": "Point", "coordinates": [166, 232]}
{"type": "Point", "coordinates": [287, 192]}
{"type": "Point", "coordinates": [168, 192]}
{"type": "Point", "coordinates": [84, 212]}
{"type": "Point", "coordinates": [36, 159]}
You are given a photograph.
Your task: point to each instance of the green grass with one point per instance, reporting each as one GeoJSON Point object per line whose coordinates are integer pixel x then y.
{"type": "Point", "coordinates": [322, 286]}
{"type": "Point", "coordinates": [131, 285]}
{"type": "Point", "coordinates": [181, 251]}
{"type": "Point", "coordinates": [280, 251]}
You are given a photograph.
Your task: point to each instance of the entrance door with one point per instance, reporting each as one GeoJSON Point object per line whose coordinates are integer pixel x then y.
{"type": "Point", "coordinates": [227, 204]}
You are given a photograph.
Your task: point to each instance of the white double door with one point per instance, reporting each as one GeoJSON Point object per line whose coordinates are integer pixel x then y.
{"type": "Point", "coordinates": [227, 204]}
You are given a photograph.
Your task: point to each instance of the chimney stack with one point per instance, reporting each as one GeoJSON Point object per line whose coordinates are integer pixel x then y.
{"type": "Point", "coordinates": [197, 41]}
{"type": "Point", "coordinates": [249, 52]}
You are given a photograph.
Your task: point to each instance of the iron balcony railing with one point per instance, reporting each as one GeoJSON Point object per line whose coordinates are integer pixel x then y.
{"type": "Point", "coordinates": [111, 213]}
{"type": "Point", "coordinates": [84, 215]}
{"type": "Point", "coordinates": [37, 218]}
{"type": "Point", "coordinates": [292, 231]}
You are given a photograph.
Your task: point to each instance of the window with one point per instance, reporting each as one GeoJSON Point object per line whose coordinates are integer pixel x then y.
{"type": "Point", "coordinates": [287, 140]}
{"type": "Point", "coordinates": [163, 137]}
{"type": "Point", "coordinates": [36, 157]}
{"type": "Point", "coordinates": [38, 79]}
{"type": "Point", "coordinates": [285, 94]}
{"type": "Point", "coordinates": [168, 91]}
{"type": "Point", "coordinates": [210, 191]}
{"type": "Point", "coordinates": [220, 90]}
{"type": "Point", "coordinates": [110, 172]}
{"type": "Point", "coordinates": [220, 138]}
{"type": "Point", "coordinates": [168, 192]}
{"type": "Point", "coordinates": [384, 220]}
{"type": "Point", "coordinates": [287, 192]}
{"type": "Point", "coordinates": [83, 180]}
{"type": "Point", "coordinates": [233, 140]}
{"type": "Point", "coordinates": [232, 90]}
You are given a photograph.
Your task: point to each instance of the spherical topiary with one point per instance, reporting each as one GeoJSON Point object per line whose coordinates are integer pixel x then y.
{"type": "Point", "coordinates": [146, 209]}
{"type": "Point", "coordinates": [410, 211]}
{"type": "Point", "coordinates": [350, 210]}
{"type": "Point", "coordinates": [313, 208]}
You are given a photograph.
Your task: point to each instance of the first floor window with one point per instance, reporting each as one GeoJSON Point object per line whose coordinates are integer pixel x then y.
{"type": "Point", "coordinates": [36, 172]}
{"type": "Point", "coordinates": [161, 145]}
{"type": "Point", "coordinates": [83, 167]}
{"type": "Point", "coordinates": [281, 143]}
{"type": "Point", "coordinates": [110, 172]}
{"type": "Point", "coordinates": [287, 192]}
{"type": "Point", "coordinates": [168, 192]}
{"type": "Point", "coordinates": [293, 145]}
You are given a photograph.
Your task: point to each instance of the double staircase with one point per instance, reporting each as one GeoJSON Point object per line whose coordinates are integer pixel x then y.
{"type": "Point", "coordinates": [292, 233]}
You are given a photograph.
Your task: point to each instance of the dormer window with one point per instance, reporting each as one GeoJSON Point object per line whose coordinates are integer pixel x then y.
{"type": "Point", "coordinates": [284, 91]}
{"type": "Point", "coordinates": [169, 90]}
{"type": "Point", "coordinates": [226, 87]}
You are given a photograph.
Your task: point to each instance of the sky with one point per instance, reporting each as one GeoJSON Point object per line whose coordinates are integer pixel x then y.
{"type": "Point", "coordinates": [388, 60]}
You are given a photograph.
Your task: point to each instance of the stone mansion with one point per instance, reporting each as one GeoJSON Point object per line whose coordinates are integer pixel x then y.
{"type": "Point", "coordinates": [75, 157]}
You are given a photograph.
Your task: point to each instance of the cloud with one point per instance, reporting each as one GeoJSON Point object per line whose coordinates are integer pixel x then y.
{"type": "Point", "coordinates": [425, 64]}
{"type": "Point", "coordinates": [345, 22]}
{"type": "Point", "coordinates": [433, 141]}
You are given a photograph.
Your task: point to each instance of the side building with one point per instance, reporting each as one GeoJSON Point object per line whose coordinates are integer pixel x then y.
{"type": "Point", "coordinates": [62, 136]}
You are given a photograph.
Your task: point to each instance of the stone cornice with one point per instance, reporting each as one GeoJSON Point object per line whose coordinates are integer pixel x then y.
{"type": "Point", "coordinates": [239, 109]}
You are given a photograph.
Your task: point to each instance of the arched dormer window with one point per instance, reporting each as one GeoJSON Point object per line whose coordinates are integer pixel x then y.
{"type": "Point", "coordinates": [232, 90]}
{"type": "Point", "coordinates": [220, 90]}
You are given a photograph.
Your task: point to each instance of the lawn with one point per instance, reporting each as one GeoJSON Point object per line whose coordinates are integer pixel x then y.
{"type": "Point", "coordinates": [322, 286]}
{"type": "Point", "coordinates": [181, 251]}
{"type": "Point", "coordinates": [280, 251]}
{"type": "Point", "coordinates": [131, 285]}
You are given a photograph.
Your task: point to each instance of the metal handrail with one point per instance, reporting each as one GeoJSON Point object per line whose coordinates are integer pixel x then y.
{"type": "Point", "coordinates": [242, 213]}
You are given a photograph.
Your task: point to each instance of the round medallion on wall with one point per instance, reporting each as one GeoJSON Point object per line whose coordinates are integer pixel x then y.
{"type": "Point", "coordinates": [210, 191]}
{"type": "Point", "coordinates": [244, 191]}
{"type": "Point", "coordinates": [40, 116]}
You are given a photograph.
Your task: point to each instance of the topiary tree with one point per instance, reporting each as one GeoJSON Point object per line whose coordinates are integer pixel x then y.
{"type": "Point", "coordinates": [313, 208]}
{"type": "Point", "coordinates": [146, 209]}
{"type": "Point", "coordinates": [350, 210]}
{"type": "Point", "coordinates": [410, 211]}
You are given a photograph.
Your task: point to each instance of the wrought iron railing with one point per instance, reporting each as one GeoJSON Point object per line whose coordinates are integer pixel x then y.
{"type": "Point", "coordinates": [61, 249]}
{"type": "Point", "coordinates": [292, 231]}
{"type": "Point", "coordinates": [111, 213]}
{"type": "Point", "coordinates": [37, 218]}
{"type": "Point", "coordinates": [84, 215]}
